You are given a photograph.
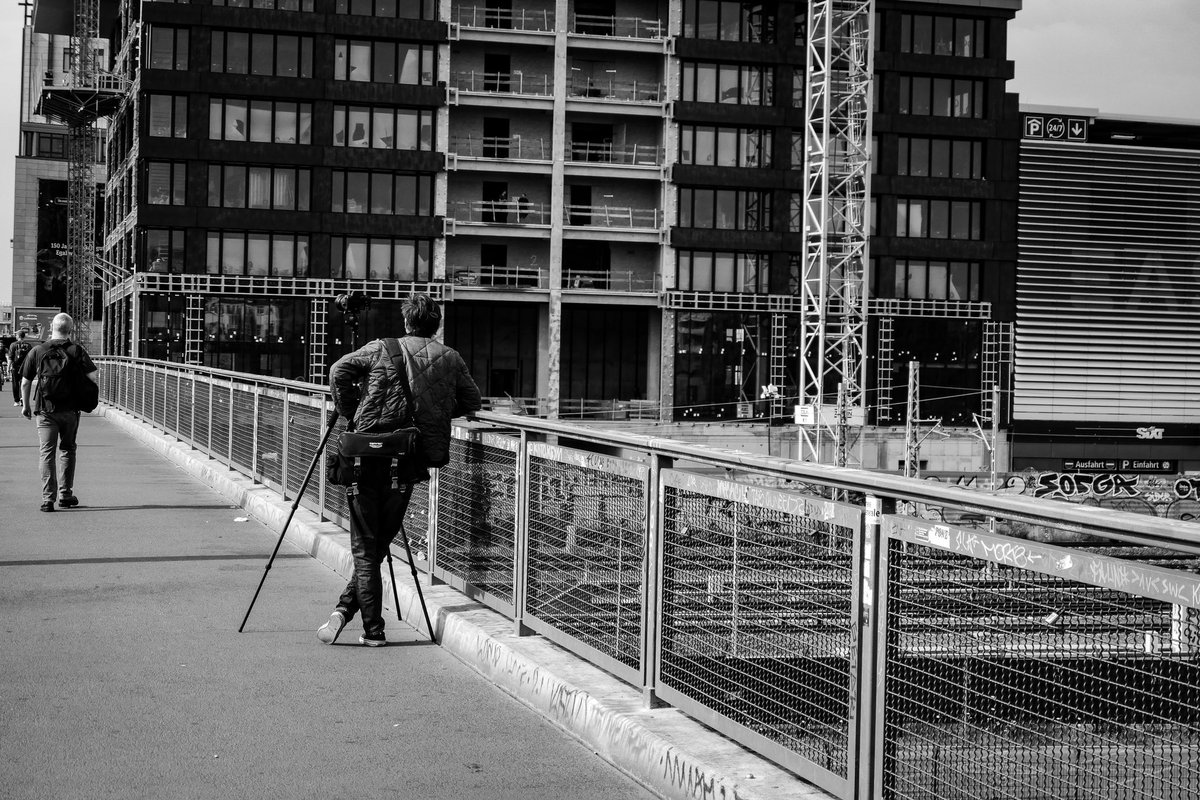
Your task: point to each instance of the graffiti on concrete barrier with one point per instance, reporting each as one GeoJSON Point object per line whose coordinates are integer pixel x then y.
{"type": "Point", "coordinates": [1168, 496]}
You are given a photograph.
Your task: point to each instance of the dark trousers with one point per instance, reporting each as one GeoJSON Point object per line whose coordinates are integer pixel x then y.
{"type": "Point", "coordinates": [57, 430]}
{"type": "Point", "coordinates": [375, 517]}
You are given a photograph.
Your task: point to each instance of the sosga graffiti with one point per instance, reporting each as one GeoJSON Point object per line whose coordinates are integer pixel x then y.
{"type": "Point", "coordinates": [1168, 496]}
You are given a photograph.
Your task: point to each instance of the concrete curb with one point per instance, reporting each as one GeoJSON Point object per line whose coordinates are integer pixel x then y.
{"type": "Point", "coordinates": [661, 748]}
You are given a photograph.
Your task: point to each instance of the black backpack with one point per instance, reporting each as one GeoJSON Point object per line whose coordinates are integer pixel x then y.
{"type": "Point", "coordinates": [22, 349]}
{"type": "Point", "coordinates": [62, 386]}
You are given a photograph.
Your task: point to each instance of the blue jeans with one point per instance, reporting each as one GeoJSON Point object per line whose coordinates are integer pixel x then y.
{"type": "Point", "coordinates": [57, 430]}
{"type": "Point", "coordinates": [374, 522]}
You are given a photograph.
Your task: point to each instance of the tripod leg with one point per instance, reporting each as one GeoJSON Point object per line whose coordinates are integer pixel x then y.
{"type": "Point", "coordinates": [416, 582]}
{"type": "Point", "coordinates": [392, 572]}
{"type": "Point", "coordinates": [303, 486]}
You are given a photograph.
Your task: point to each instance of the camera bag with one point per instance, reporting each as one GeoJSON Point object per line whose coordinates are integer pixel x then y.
{"type": "Point", "coordinates": [343, 465]}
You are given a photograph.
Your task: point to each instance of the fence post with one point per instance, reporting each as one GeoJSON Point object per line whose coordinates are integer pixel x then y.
{"type": "Point", "coordinates": [866, 709]}
{"type": "Point", "coordinates": [652, 568]}
{"type": "Point", "coordinates": [521, 536]}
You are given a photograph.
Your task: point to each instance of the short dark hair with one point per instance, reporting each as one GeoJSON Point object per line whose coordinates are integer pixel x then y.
{"type": "Point", "coordinates": [422, 314]}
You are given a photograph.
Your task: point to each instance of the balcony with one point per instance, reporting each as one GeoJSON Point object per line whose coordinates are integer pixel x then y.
{"type": "Point", "coordinates": [617, 27]}
{"type": "Point", "coordinates": [616, 280]}
{"type": "Point", "coordinates": [519, 19]}
{"type": "Point", "coordinates": [609, 153]}
{"type": "Point", "coordinates": [610, 88]}
{"type": "Point", "coordinates": [606, 216]}
{"type": "Point", "coordinates": [500, 212]}
{"type": "Point", "coordinates": [498, 277]}
{"type": "Point", "coordinates": [502, 147]}
{"type": "Point", "coordinates": [504, 83]}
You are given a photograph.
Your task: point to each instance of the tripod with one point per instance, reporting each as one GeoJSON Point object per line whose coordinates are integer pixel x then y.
{"type": "Point", "coordinates": [354, 510]}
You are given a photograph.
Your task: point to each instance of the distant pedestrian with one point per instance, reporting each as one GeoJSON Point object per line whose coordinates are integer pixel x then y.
{"type": "Point", "coordinates": [51, 377]}
{"type": "Point", "coordinates": [16, 355]}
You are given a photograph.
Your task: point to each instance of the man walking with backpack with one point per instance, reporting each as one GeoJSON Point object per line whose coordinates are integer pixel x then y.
{"type": "Point", "coordinates": [16, 354]}
{"type": "Point", "coordinates": [54, 383]}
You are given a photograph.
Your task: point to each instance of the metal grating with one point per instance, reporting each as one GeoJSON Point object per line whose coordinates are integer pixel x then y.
{"type": "Point", "coordinates": [241, 450]}
{"type": "Point", "coordinates": [335, 496]}
{"type": "Point", "coordinates": [587, 537]}
{"type": "Point", "coordinates": [158, 385]}
{"type": "Point", "coordinates": [1008, 683]}
{"type": "Point", "coordinates": [202, 411]}
{"type": "Point", "coordinates": [222, 418]}
{"type": "Point", "coordinates": [306, 426]}
{"type": "Point", "coordinates": [187, 405]}
{"type": "Point", "coordinates": [416, 525]}
{"type": "Point", "coordinates": [269, 447]}
{"type": "Point", "coordinates": [476, 525]}
{"type": "Point", "coordinates": [757, 616]}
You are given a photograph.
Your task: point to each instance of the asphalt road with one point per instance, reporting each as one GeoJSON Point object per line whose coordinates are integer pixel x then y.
{"type": "Point", "coordinates": [124, 675]}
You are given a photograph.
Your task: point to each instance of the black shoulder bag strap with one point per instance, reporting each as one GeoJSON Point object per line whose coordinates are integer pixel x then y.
{"type": "Point", "coordinates": [400, 362]}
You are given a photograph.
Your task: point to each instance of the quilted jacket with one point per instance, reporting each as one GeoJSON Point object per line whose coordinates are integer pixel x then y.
{"type": "Point", "coordinates": [366, 388]}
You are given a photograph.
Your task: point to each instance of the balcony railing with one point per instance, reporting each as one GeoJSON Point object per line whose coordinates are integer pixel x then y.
{"type": "Point", "coordinates": [616, 280]}
{"type": "Point", "coordinates": [517, 83]}
{"type": "Point", "coordinates": [976, 646]}
{"type": "Point", "coordinates": [606, 216]}
{"type": "Point", "coordinates": [500, 212]}
{"type": "Point", "coordinates": [515, 19]}
{"type": "Point", "coordinates": [620, 27]}
{"type": "Point", "coordinates": [513, 147]}
{"type": "Point", "coordinates": [608, 153]}
{"type": "Point", "coordinates": [613, 89]}
{"type": "Point", "coordinates": [497, 277]}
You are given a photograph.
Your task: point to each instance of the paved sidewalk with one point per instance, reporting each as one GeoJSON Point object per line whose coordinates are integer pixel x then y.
{"type": "Point", "coordinates": [125, 676]}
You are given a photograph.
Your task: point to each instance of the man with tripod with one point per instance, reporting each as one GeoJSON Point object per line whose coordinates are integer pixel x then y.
{"type": "Point", "coordinates": [369, 392]}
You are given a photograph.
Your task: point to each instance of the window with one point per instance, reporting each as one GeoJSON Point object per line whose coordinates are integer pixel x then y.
{"type": "Point", "coordinates": [51, 145]}
{"type": "Point", "coordinates": [168, 48]}
{"type": "Point", "coordinates": [941, 97]}
{"type": "Point", "coordinates": [740, 84]}
{"type": "Point", "coordinates": [939, 219]}
{"type": "Point", "coordinates": [259, 121]}
{"type": "Point", "coordinates": [166, 183]}
{"type": "Point", "coordinates": [384, 62]}
{"type": "Point", "coordinates": [915, 279]}
{"type": "Point", "coordinates": [941, 158]}
{"type": "Point", "coordinates": [168, 116]}
{"type": "Point", "coordinates": [279, 5]}
{"type": "Point", "coordinates": [382, 193]}
{"type": "Point", "coordinates": [409, 260]}
{"type": "Point", "coordinates": [240, 53]}
{"type": "Point", "coordinates": [383, 128]}
{"type": "Point", "coordinates": [241, 253]}
{"type": "Point", "coordinates": [703, 271]}
{"type": "Point", "coordinates": [162, 250]}
{"type": "Point", "coordinates": [277, 188]}
{"type": "Point", "coordinates": [406, 9]}
{"type": "Point", "coordinates": [724, 147]}
{"type": "Point", "coordinates": [729, 20]}
{"type": "Point", "coordinates": [725, 209]}
{"type": "Point", "coordinates": [943, 36]}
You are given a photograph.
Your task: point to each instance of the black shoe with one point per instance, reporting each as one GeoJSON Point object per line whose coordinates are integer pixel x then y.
{"type": "Point", "coordinates": [373, 639]}
{"type": "Point", "coordinates": [48, 505]}
{"type": "Point", "coordinates": [68, 502]}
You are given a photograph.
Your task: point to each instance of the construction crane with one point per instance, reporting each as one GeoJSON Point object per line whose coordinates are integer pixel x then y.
{"type": "Point", "coordinates": [89, 94]}
{"type": "Point", "coordinates": [837, 141]}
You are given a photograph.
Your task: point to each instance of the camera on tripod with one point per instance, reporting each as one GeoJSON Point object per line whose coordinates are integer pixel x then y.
{"type": "Point", "coordinates": [352, 303]}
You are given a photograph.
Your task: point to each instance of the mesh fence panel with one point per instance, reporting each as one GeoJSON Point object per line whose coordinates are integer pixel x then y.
{"type": "Point", "coordinates": [187, 404]}
{"type": "Point", "coordinates": [222, 417]}
{"type": "Point", "coordinates": [202, 413]}
{"type": "Point", "coordinates": [241, 452]}
{"type": "Point", "coordinates": [477, 516]}
{"type": "Point", "coordinates": [416, 525]}
{"type": "Point", "coordinates": [158, 389]}
{"type": "Point", "coordinates": [306, 426]}
{"type": "Point", "coordinates": [269, 452]}
{"type": "Point", "coordinates": [1008, 683]}
{"type": "Point", "coordinates": [757, 612]}
{"type": "Point", "coordinates": [587, 536]}
{"type": "Point", "coordinates": [140, 391]}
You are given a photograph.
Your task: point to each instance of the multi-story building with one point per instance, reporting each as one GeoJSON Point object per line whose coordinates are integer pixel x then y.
{"type": "Point", "coordinates": [1108, 295]}
{"type": "Point", "coordinates": [608, 195]}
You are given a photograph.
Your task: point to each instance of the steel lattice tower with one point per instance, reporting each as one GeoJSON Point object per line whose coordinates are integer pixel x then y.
{"type": "Point", "coordinates": [837, 138]}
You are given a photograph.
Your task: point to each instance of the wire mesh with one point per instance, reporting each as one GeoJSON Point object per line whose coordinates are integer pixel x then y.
{"type": "Point", "coordinates": [1012, 683]}
{"type": "Point", "coordinates": [416, 525]}
{"type": "Point", "coordinates": [268, 450]}
{"type": "Point", "coordinates": [587, 537]}
{"type": "Point", "coordinates": [476, 521]}
{"type": "Point", "coordinates": [171, 402]}
{"type": "Point", "coordinates": [158, 412]}
{"type": "Point", "coordinates": [140, 391]}
{"type": "Point", "coordinates": [222, 420]}
{"type": "Point", "coordinates": [202, 415]}
{"type": "Point", "coordinates": [186, 400]}
{"type": "Point", "coordinates": [335, 496]}
{"type": "Point", "coordinates": [241, 451]}
{"type": "Point", "coordinates": [757, 613]}
{"type": "Point", "coordinates": [306, 426]}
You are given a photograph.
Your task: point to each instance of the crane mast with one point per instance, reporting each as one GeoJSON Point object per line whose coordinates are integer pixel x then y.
{"type": "Point", "coordinates": [837, 139]}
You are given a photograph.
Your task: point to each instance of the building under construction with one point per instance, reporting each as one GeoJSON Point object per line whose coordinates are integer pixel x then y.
{"type": "Point", "coordinates": [647, 210]}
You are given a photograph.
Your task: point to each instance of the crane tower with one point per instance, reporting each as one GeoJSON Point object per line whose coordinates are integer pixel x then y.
{"type": "Point", "coordinates": [837, 140]}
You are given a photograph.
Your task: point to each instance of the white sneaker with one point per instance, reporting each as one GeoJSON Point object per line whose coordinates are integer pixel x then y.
{"type": "Point", "coordinates": [328, 632]}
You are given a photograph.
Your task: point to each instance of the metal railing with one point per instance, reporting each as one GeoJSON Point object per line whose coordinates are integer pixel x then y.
{"type": "Point", "coordinates": [608, 153]}
{"type": "Point", "coordinates": [516, 19]}
{"type": "Point", "coordinates": [623, 27]}
{"type": "Point", "coordinates": [504, 83]}
{"type": "Point", "coordinates": [500, 212]}
{"type": "Point", "coordinates": [874, 653]}
{"type": "Point", "coordinates": [498, 277]}
{"type": "Point", "coordinates": [612, 89]}
{"type": "Point", "coordinates": [606, 216]}
{"type": "Point", "coordinates": [616, 280]}
{"type": "Point", "coordinates": [510, 147]}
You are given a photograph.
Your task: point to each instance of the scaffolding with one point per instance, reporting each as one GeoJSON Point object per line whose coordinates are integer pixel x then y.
{"type": "Point", "coordinates": [837, 140]}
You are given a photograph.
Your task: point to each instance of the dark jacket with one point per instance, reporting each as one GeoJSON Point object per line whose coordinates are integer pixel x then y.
{"type": "Point", "coordinates": [367, 389]}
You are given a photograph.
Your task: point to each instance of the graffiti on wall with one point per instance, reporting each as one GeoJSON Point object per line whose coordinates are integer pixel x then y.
{"type": "Point", "coordinates": [1168, 496]}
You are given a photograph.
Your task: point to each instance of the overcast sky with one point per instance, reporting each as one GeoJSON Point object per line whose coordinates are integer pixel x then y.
{"type": "Point", "coordinates": [1123, 57]}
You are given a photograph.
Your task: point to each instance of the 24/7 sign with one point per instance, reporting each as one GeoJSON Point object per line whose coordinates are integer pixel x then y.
{"type": "Point", "coordinates": [1060, 128]}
